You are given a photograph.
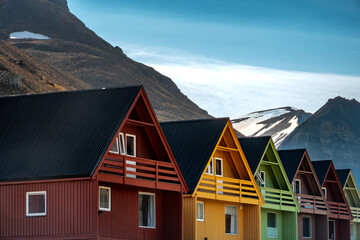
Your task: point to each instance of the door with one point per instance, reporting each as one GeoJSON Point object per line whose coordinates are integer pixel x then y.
{"type": "Point", "coordinates": [332, 230]}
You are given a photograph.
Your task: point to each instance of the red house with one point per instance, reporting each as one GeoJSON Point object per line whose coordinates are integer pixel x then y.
{"type": "Point", "coordinates": [339, 211]}
{"type": "Point", "coordinates": [90, 164]}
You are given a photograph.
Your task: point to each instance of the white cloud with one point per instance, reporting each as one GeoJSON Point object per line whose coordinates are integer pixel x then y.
{"type": "Point", "coordinates": [230, 89]}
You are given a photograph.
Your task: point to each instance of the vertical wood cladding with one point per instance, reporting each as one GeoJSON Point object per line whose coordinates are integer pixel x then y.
{"type": "Point", "coordinates": [70, 209]}
{"type": "Point", "coordinates": [189, 212]}
{"type": "Point", "coordinates": [122, 221]}
{"type": "Point", "coordinates": [252, 222]}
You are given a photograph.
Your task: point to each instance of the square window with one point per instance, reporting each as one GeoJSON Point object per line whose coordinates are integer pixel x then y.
{"type": "Point", "coordinates": [306, 226]}
{"type": "Point", "coordinates": [36, 203]}
{"type": "Point", "coordinates": [218, 167]}
{"type": "Point", "coordinates": [122, 146]}
{"type": "Point", "coordinates": [272, 225]}
{"type": "Point", "coordinates": [231, 219]}
{"type": "Point", "coordinates": [209, 169]}
{"type": "Point", "coordinates": [147, 210]}
{"type": "Point", "coordinates": [131, 145]}
{"type": "Point", "coordinates": [200, 211]}
{"type": "Point", "coordinates": [104, 198]}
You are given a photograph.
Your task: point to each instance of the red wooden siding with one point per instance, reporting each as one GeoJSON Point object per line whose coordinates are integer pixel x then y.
{"type": "Point", "coordinates": [122, 221]}
{"type": "Point", "coordinates": [319, 226]}
{"type": "Point", "coordinates": [70, 209]}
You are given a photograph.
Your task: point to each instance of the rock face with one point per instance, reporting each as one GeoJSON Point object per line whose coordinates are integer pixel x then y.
{"type": "Point", "coordinates": [333, 132]}
{"type": "Point", "coordinates": [278, 123]}
{"type": "Point", "coordinates": [77, 50]}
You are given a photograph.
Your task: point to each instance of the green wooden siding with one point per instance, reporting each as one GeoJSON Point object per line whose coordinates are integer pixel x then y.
{"type": "Point", "coordinates": [286, 224]}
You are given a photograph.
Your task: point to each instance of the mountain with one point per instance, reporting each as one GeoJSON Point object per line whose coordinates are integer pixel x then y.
{"type": "Point", "coordinates": [333, 132]}
{"type": "Point", "coordinates": [277, 122]}
{"type": "Point", "coordinates": [21, 73]}
{"type": "Point", "coordinates": [69, 45]}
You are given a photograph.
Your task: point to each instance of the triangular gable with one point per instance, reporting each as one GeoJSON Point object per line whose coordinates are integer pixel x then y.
{"type": "Point", "coordinates": [351, 189]}
{"type": "Point", "coordinates": [229, 143]}
{"type": "Point", "coordinates": [159, 165]}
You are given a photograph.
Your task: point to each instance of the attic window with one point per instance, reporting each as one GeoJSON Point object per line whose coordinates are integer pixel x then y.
{"type": "Point", "coordinates": [218, 167]}
{"type": "Point", "coordinates": [122, 146]}
{"type": "Point", "coordinates": [115, 147]}
{"type": "Point", "coordinates": [209, 169]}
{"type": "Point", "coordinates": [35, 204]}
{"type": "Point", "coordinates": [131, 145]}
{"type": "Point", "coordinates": [297, 186]}
{"type": "Point", "coordinates": [324, 191]}
{"type": "Point", "coordinates": [262, 178]}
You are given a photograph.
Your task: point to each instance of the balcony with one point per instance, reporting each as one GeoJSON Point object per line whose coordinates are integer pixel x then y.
{"type": "Point", "coordinates": [356, 214]}
{"type": "Point", "coordinates": [278, 199]}
{"type": "Point", "coordinates": [312, 204]}
{"type": "Point", "coordinates": [227, 189]}
{"type": "Point", "coordinates": [338, 210]}
{"type": "Point", "coordinates": [139, 172]}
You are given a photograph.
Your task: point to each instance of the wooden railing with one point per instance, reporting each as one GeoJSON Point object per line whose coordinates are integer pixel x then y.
{"type": "Point", "coordinates": [227, 189]}
{"type": "Point", "coordinates": [338, 210]}
{"type": "Point", "coordinates": [356, 213]}
{"type": "Point", "coordinates": [276, 198]}
{"type": "Point", "coordinates": [134, 171]}
{"type": "Point", "coordinates": [312, 204]}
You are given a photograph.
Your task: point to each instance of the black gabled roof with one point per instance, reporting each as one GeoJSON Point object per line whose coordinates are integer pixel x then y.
{"type": "Point", "coordinates": [291, 160]}
{"type": "Point", "coordinates": [254, 148]}
{"type": "Point", "coordinates": [321, 169]}
{"type": "Point", "coordinates": [343, 175]}
{"type": "Point", "coordinates": [59, 135]}
{"type": "Point", "coordinates": [192, 142]}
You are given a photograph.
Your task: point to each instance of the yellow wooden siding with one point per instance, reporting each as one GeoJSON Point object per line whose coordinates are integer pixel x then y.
{"type": "Point", "coordinates": [252, 222]}
{"type": "Point", "coordinates": [189, 210]}
{"type": "Point", "coordinates": [229, 169]}
{"type": "Point", "coordinates": [213, 226]}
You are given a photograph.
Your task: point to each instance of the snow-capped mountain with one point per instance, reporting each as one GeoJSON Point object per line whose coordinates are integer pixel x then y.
{"type": "Point", "coordinates": [278, 123]}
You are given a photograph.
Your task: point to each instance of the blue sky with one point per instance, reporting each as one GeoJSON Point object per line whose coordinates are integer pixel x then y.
{"type": "Point", "coordinates": [264, 53]}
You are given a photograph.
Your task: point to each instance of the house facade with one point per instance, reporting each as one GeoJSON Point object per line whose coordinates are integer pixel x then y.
{"type": "Point", "coordinates": [339, 212]}
{"type": "Point", "coordinates": [313, 215]}
{"type": "Point", "coordinates": [279, 214]}
{"type": "Point", "coordinates": [223, 201]}
{"type": "Point", "coordinates": [90, 164]}
{"type": "Point", "coordinates": [352, 195]}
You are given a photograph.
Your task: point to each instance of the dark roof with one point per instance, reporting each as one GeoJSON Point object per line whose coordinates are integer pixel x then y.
{"type": "Point", "coordinates": [254, 148]}
{"type": "Point", "coordinates": [321, 168]}
{"type": "Point", "coordinates": [59, 135]}
{"type": "Point", "coordinates": [291, 160]}
{"type": "Point", "coordinates": [192, 142]}
{"type": "Point", "coordinates": [343, 175]}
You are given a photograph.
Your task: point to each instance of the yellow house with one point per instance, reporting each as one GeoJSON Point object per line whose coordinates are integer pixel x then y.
{"type": "Point", "coordinates": [223, 201]}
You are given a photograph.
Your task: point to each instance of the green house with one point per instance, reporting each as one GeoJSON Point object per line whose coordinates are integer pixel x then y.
{"type": "Point", "coordinates": [352, 195]}
{"type": "Point", "coordinates": [279, 214]}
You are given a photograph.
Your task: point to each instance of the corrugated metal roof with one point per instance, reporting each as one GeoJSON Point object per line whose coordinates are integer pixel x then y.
{"type": "Point", "coordinates": [291, 160]}
{"type": "Point", "coordinates": [58, 135]}
{"type": "Point", "coordinates": [192, 143]}
{"type": "Point", "coordinates": [343, 175]}
{"type": "Point", "coordinates": [321, 169]}
{"type": "Point", "coordinates": [254, 148]}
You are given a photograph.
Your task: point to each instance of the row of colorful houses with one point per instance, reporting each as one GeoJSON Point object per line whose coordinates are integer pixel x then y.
{"type": "Point", "coordinates": [97, 164]}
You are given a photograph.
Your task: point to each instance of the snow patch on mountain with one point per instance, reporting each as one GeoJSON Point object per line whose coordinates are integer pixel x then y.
{"type": "Point", "coordinates": [27, 35]}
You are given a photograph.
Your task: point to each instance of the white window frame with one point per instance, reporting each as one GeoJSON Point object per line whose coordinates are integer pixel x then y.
{"type": "Point", "coordinates": [207, 171]}
{"type": "Point", "coordinates": [263, 179]}
{"type": "Point", "coordinates": [105, 209]}
{"type": "Point", "coordinates": [325, 192]}
{"type": "Point", "coordinates": [134, 136]}
{"type": "Point", "coordinates": [203, 210]}
{"type": "Point", "coordinates": [151, 194]}
{"type": "Point", "coordinates": [333, 223]}
{"type": "Point", "coordinates": [27, 204]}
{"type": "Point", "coordinates": [121, 137]}
{"type": "Point", "coordinates": [309, 217]}
{"type": "Point", "coordinates": [117, 145]}
{"type": "Point", "coordinates": [277, 225]}
{"type": "Point", "coordinates": [299, 181]}
{"type": "Point", "coordinates": [222, 167]}
{"type": "Point", "coordinates": [237, 223]}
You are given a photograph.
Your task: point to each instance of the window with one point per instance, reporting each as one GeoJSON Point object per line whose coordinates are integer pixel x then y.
{"type": "Point", "coordinates": [122, 147]}
{"type": "Point", "coordinates": [147, 210]}
{"type": "Point", "coordinates": [231, 219]}
{"type": "Point", "coordinates": [262, 179]}
{"type": "Point", "coordinates": [115, 147]}
{"type": "Point", "coordinates": [218, 167]}
{"type": "Point", "coordinates": [131, 145]}
{"type": "Point", "coordinates": [104, 198]}
{"type": "Point", "coordinates": [324, 191]}
{"type": "Point", "coordinates": [272, 225]}
{"type": "Point", "coordinates": [36, 204]}
{"type": "Point", "coordinates": [200, 211]}
{"type": "Point", "coordinates": [297, 187]}
{"type": "Point", "coordinates": [306, 226]}
{"type": "Point", "coordinates": [331, 230]}
{"type": "Point", "coordinates": [209, 169]}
